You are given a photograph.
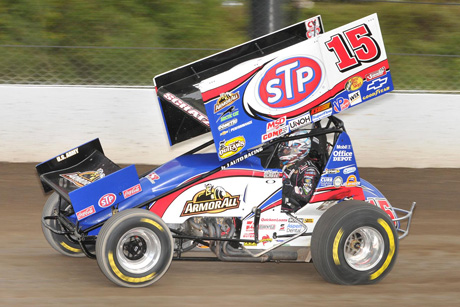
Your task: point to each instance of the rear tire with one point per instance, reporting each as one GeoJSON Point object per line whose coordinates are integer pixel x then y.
{"type": "Point", "coordinates": [134, 248]}
{"type": "Point", "coordinates": [59, 242]}
{"type": "Point", "coordinates": [354, 243]}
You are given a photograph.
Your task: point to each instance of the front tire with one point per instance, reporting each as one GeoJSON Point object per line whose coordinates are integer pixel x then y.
{"type": "Point", "coordinates": [134, 248]}
{"type": "Point", "coordinates": [354, 243]}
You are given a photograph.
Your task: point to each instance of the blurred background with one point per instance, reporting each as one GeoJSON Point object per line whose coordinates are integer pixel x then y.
{"type": "Point", "coordinates": [127, 42]}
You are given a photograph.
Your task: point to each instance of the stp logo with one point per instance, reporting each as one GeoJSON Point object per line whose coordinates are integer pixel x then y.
{"type": "Point", "coordinates": [107, 200]}
{"type": "Point", "coordinates": [283, 86]}
{"type": "Point", "coordinates": [289, 82]}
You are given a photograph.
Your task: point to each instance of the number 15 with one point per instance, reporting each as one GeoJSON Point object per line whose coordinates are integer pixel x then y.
{"type": "Point", "coordinates": [363, 47]}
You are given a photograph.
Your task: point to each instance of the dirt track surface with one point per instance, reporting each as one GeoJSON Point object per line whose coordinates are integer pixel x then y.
{"type": "Point", "coordinates": [427, 271]}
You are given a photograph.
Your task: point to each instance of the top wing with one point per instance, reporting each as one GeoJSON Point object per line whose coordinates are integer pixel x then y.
{"type": "Point", "coordinates": [252, 94]}
{"type": "Point", "coordinates": [180, 98]}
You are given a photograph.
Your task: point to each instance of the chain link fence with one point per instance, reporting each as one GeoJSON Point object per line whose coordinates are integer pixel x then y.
{"type": "Point", "coordinates": [54, 65]}
{"type": "Point", "coordinates": [417, 68]}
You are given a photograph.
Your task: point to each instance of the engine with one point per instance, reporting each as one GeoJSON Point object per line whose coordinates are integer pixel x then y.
{"type": "Point", "coordinates": [223, 234]}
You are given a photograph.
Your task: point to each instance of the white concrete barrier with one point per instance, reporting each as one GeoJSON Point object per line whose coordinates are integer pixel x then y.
{"type": "Point", "coordinates": [38, 122]}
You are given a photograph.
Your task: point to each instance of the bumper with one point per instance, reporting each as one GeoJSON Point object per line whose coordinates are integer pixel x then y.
{"type": "Point", "coordinates": [404, 220]}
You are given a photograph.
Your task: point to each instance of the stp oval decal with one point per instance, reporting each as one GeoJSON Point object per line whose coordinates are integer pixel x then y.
{"type": "Point", "coordinates": [284, 85]}
{"type": "Point", "coordinates": [289, 82]}
{"type": "Point", "coordinates": [107, 200]}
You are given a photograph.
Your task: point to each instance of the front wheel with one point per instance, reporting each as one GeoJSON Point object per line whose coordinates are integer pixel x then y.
{"type": "Point", "coordinates": [134, 248]}
{"type": "Point", "coordinates": [354, 243]}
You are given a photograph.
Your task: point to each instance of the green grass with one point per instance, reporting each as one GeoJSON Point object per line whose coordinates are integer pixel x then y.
{"type": "Point", "coordinates": [406, 29]}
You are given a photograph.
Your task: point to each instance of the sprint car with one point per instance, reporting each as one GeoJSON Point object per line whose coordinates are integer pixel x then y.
{"type": "Point", "coordinates": [229, 202]}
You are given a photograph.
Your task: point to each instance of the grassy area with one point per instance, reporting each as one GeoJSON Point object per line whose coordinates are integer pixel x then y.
{"type": "Point", "coordinates": [424, 30]}
{"type": "Point", "coordinates": [145, 24]}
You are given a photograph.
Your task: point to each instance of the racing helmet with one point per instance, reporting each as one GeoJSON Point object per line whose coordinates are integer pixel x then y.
{"type": "Point", "coordinates": [295, 150]}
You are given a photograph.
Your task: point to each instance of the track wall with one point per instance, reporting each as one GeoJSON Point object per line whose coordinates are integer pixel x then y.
{"type": "Point", "coordinates": [38, 122]}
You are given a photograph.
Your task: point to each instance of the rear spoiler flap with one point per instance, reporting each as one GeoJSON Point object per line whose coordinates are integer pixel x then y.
{"type": "Point", "coordinates": [87, 179]}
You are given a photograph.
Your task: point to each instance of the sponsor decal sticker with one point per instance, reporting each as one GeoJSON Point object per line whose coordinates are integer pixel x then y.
{"type": "Point", "coordinates": [231, 147]}
{"type": "Point", "coordinates": [355, 98]}
{"type": "Point", "coordinates": [187, 108]}
{"type": "Point", "coordinates": [342, 153]}
{"type": "Point", "coordinates": [85, 212]}
{"type": "Point", "coordinates": [377, 83]}
{"type": "Point", "coordinates": [267, 227]}
{"type": "Point", "coordinates": [225, 100]}
{"type": "Point", "coordinates": [300, 122]}
{"type": "Point", "coordinates": [331, 171]}
{"type": "Point", "coordinates": [354, 83]}
{"type": "Point", "coordinates": [274, 134]}
{"type": "Point", "coordinates": [230, 113]}
{"type": "Point", "coordinates": [273, 220]}
{"type": "Point", "coordinates": [81, 179]}
{"type": "Point", "coordinates": [227, 124]}
{"type": "Point", "coordinates": [351, 181]}
{"type": "Point", "coordinates": [68, 154]}
{"type": "Point", "coordinates": [152, 177]}
{"type": "Point", "coordinates": [338, 182]}
{"type": "Point", "coordinates": [341, 104]}
{"type": "Point", "coordinates": [107, 200]}
{"type": "Point", "coordinates": [243, 157]}
{"type": "Point", "coordinates": [241, 126]}
{"type": "Point", "coordinates": [211, 200]}
{"type": "Point", "coordinates": [284, 85]}
{"type": "Point", "coordinates": [349, 170]}
{"type": "Point", "coordinates": [275, 129]}
{"type": "Point", "coordinates": [313, 27]}
{"type": "Point", "coordinates": [325, 181]}
{"type": "Point", "coordinates": [375, 74]}
{"type": "Point", "coordinates": [323, 114]}
{"type": "Point", "coordinates": [294, 228]}
{"type": "Point", "coordinates": [320, 108]}
{"type": "Point", "coordinates": [272, 174]}
{"type": "Point", "coordinates": [289, 81]}
{"type": "Point", "coordinates": [266, 239]}
{"type": "Point", "coordinates": [132, 191]}
{"type": "Point", "coordinates": [376, 93]}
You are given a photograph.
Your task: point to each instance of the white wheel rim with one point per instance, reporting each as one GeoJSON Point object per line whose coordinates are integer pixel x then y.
{"type": "Point", "coordinates": [364, 248]}
{"type": "Point", "coordinates": [138, 250]}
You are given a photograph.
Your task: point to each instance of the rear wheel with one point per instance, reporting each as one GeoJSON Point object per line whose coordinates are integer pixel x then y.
{"type": "Point", "coordinates": [134, 248]}
{"type": "Point", "coordinates": [354, 243]}
{"type": "Point", "coordinates": [59, 242]}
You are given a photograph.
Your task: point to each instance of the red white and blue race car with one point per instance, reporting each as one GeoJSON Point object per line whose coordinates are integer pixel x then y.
{"type": "Point", "coordinates": [283, 184]}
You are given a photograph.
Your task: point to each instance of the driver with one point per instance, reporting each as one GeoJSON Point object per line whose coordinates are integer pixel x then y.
{"type": "Point", "coordinates": [300, 172]}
